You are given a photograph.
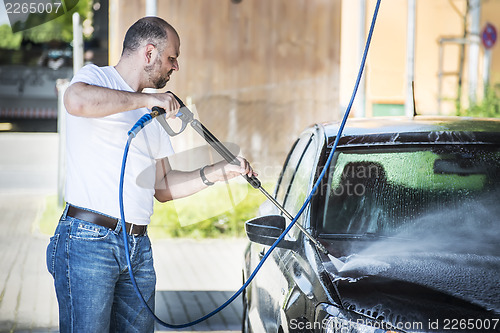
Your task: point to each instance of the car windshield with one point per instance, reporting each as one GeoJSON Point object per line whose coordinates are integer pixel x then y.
{"type": "Point", "coordinates": [388, 190]}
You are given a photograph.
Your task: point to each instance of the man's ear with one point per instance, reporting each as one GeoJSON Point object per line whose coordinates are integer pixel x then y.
{"type": "Point", "coordinates": [150, 53]}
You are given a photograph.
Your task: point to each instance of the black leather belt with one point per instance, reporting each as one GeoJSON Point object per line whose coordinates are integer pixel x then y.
{"type": "Point", "coordinates": [105, 221]}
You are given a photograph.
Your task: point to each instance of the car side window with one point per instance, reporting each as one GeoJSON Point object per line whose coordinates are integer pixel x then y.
{"type": "Point", "coordinates": [294, 185]}
{"type": "Point", "coordinates": [299, 187]}
{"type": "Point", "coordinates": [290, 167]}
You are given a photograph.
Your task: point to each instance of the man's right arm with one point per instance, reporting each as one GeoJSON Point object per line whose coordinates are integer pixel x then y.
{"type": "Point", "coordinates": [85, 100]}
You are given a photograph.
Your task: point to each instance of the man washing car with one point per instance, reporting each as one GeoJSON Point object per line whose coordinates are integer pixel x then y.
{"type": "Point", "coordinates": [86, 255]}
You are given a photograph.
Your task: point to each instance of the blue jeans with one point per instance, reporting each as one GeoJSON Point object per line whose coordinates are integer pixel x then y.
{"type": "Point", "coordinates": [92, 282]}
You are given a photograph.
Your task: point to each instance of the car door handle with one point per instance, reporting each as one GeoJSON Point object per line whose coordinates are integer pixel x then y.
{"type": "Point", "coordinates": [262, 253]}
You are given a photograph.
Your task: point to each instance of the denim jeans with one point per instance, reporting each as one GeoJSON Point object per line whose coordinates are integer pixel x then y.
{"type": "Point", "coordinates": [92, 282]}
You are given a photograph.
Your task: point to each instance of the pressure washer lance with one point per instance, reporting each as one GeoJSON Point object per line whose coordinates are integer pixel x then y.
{"type": "Point", "coordinates": [187, 117]}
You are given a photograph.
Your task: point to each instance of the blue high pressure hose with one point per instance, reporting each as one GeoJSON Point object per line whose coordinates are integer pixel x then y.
{"type": "Point", "coordinates": [147, 118]}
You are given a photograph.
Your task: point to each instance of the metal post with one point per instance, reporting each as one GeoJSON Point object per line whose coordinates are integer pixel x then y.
{"type": "Point", "coordinates": [361, 96]}
{"type": "Point", "coordinates": [410, 57]}
{"type": "Point", "coordinates": [77, 43]}
{"type": "Point", "coordinates": [440, 76]}
{"type": "Point", "coordinates": [151, 8]}
{"type": "Point", "coordinates": [61, 86]}
{"type": "Point", "coordinates": [486, 71]}
{"type": "Point", "coordinates": [475, 14]}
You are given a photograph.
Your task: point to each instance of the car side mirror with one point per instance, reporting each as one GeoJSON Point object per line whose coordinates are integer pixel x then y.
{"type": "Point", "coordinates": [266, 230]}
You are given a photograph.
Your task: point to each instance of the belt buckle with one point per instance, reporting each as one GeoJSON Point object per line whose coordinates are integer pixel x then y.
{"type": "Point", "coordinates": [131, 230]}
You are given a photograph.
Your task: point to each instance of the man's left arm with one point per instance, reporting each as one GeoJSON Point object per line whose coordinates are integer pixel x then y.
{"type": "Point", "coordinates": [174, 184]}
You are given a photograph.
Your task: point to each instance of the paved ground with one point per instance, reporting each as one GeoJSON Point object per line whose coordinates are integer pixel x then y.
{"type": "Point", "coordinates": [28, 163]}
{"type": "Point", "coordinates": [194, 277]}
{"type": "Point", "coordinates": [27, 298]}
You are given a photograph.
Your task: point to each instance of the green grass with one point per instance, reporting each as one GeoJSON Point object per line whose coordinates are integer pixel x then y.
{"type": "Point", "coordinates": [50, 216]}
{"type": "Point", "coordinates": [488, 107]}
{"type": "Point", "coordinates": [219, 211]}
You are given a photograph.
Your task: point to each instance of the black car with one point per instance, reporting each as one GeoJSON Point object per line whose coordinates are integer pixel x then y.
{"type": "Point", "coordinates": [409, 214]}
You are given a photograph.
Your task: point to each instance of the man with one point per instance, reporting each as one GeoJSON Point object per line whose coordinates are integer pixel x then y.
{"type": "Point", "coordinates": [86, 254]}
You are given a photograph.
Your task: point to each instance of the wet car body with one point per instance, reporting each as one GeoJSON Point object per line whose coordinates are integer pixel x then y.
{"type": "Point", "coordinates": [395, 274]}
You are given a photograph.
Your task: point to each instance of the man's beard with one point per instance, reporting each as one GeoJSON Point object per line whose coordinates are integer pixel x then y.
{"type": "Point", "coordinates": [159, 81]}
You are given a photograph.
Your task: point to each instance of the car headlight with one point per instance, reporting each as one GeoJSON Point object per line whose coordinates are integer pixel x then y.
{"type": "Point", "coordinates": [339, 325]}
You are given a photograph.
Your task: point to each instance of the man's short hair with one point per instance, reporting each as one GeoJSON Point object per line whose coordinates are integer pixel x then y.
{"type": "Point", "coordinates": [147, 30]}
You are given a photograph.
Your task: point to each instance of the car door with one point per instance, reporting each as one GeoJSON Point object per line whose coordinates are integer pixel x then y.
{"type": "Point", "coordinates": [298, 297]}
{"type": "Point", "coordinates": [272, 285]}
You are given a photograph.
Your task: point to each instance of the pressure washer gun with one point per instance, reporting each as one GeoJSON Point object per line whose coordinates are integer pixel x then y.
{"type": "Point", "coordinates": [187, 117]}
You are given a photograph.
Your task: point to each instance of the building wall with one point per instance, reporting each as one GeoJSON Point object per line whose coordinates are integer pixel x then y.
{"type": "Point", "coordinates": [385, 79]}
{"type": "Point", "coordinates": [435, 19]}
{"type": "Point", "coordinates": [258, 72]}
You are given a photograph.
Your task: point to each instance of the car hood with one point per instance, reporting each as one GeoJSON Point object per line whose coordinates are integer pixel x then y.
{"type": "Point", "coordinates": [426, 285]}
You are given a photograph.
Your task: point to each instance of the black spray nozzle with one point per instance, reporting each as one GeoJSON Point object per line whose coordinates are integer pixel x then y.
{"type": "Point", "coordinates": [156, 111]}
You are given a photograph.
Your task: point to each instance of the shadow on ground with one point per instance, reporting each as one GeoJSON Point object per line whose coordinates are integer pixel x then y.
{"type": "Point", "coordinates": [179, 307]}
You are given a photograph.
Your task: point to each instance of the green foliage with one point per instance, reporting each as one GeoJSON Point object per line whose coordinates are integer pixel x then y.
{"type": "Point", "coordinates": [49, 216]}
{"type": "Point", "coordinates": [58, 29]}
{"type": "Point", "coordinates": [61, 28]}
{"type": "Point", "coordinates": [489, 107]}
{"type": "Point", "coordinates": [201, 214]}
{"type": "Point", "coordinates": [8, 40]}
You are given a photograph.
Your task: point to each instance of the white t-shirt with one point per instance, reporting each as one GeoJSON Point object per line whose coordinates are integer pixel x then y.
{"type": "Point", "coordinates": [95, 151]}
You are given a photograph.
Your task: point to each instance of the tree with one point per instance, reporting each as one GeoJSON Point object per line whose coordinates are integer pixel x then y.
{"type": "Point", "coordinates": [58, 29]}
{"type": "Point", "coordinates": [9, 40]}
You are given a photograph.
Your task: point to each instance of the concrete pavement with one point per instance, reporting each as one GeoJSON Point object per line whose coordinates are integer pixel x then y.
{"type": "Point", "coordinates": [194, 277]}
{"type": "Point", "coordinates": [28, 162]}
{"type": "Point", "coordinates": [27, 298]}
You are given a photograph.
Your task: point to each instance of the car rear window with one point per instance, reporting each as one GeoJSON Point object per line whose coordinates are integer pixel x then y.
{"type": "Point", "coordinates": [383, 191]}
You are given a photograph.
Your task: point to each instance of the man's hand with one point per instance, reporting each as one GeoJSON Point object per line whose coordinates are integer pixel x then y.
{"type": "Point", "coordinates": [173, 184]}
{"type": "Point", "coordinates": [165, 101]}
{"type": "Point", "coordinates": [224, 171]}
